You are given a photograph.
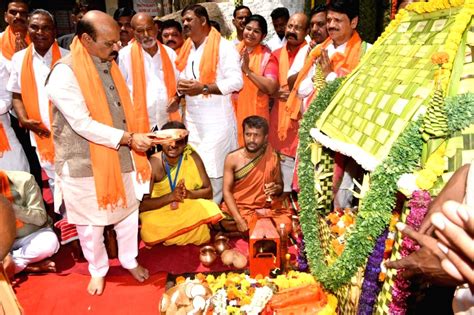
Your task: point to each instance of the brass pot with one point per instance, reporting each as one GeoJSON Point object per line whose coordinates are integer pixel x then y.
{"type": "Point", "coordinates": [207, 255]}
{"type": "Point", "coordinates": [221, 243]}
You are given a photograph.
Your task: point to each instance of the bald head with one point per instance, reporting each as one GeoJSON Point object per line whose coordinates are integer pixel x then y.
{"type": "Point", "coordinates": [145, 32]}
{"type": "Point", "coordinates": [99, 33]}
{"type": "Point", "coordinates": [297, 29]}
{"type": "Point", "coordinates": [141, 18]}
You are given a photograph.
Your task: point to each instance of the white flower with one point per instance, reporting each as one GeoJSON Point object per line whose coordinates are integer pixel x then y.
{"type": "Point", "coordinates": [407, 184]}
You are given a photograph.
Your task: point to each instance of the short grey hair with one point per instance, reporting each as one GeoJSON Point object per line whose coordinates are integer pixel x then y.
{"type": "Point", "coordinates": [44, 13]}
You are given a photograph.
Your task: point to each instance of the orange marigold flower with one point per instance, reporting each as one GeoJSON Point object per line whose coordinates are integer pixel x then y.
{"type": "Point", "coordinates": [440, 58]}
{"type": "Point", "coordinates": [180, 280]}
{"type": "Point", "coordinates": [200, 277]}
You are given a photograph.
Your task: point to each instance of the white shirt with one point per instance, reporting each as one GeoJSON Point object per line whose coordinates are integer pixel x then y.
{"type": "Point", "coordinates": [275, 42]}
{"type": "Point", "coordinates": [41, 67]}
{"type": "Point", "coordinates": [156, 93]}
{"type": "Point", "coordinates": [307, 86]}
{"type": "Point", "coordinates": [211, 119]}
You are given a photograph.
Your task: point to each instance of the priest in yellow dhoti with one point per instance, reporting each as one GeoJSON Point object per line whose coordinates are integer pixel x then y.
{"type": "Point", "coordinates": [180, 206]}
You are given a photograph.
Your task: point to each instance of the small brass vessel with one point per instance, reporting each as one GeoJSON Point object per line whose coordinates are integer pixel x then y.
{"type": "Point", "coordinates": [207, 255]}
{"type": "Point", "coordinates": [221, 243]}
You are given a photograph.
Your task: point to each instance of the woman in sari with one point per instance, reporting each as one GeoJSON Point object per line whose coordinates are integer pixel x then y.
{"type": "Point", "coordinates": [260, 73]}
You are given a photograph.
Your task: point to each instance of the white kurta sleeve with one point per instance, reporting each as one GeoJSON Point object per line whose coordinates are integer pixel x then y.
{"type": "Point", "coordinates": [63, 90]}
{"type": "Point", "coordinates": [5, 96]}
{"type": "Point", "coordinates": [14, 84]}
{"type": "Point", "coordinates": [229, 62]}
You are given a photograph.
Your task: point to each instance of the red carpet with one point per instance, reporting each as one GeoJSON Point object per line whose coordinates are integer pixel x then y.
{"type": "Point", "coordinates": [170, 259]}
{"type": "Point", "coordinates": [56, 294]}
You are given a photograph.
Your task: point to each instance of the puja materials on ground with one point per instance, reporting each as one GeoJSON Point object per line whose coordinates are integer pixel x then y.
{"type": "Point", "coordinates": [189, 297]}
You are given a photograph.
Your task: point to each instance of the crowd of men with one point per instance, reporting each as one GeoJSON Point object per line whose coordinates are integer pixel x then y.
{"type": "Point", "coordinates": [83, 109]}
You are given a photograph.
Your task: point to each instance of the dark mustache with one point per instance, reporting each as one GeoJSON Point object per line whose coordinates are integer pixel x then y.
{"type": "Point", "coordinates": [171, 42]}
{"type": "Point", "coordinates": [288, 35]}
{"type": "Point", "coordinates": [333, 29]}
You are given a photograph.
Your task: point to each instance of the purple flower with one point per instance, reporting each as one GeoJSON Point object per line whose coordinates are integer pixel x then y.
{"type": "Point", "coordinates": [371, 286]}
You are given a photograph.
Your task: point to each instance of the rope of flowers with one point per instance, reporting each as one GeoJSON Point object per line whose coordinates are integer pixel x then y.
{"type": "Point", "coordinates": [371, 285]}
{"type": "Point", "coordinates": [401, 287]}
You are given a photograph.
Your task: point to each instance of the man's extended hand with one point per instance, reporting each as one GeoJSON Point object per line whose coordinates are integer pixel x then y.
{"type": "Point", "coordinates": [455, 230]}
{"type": "Point", "coordinates": [173, 105]}
{"type": "Point", "coordinates": [241, 225]}
{"type": "Point", "coordinates": [272, 189]}
{"type": "Point", "coordinates": [35, 126]}
{"type": "Point", "coordinates": [141, 142]}
{"type": "Point", "coordinates": [190, 87]}
{"type": "Point", "coordinates": [425, 262]}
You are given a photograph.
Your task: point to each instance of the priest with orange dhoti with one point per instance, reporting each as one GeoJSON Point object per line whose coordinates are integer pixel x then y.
{"type": "Point", "coordinates": [260, 69]}
{"type": "Point", "coordinates": [180, 206]}
{"type": "Point", "coordinates": [252, 180]}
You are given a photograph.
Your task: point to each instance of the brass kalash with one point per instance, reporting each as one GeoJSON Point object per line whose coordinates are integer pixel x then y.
{"type": "Point", "coordinates": [264, 245]}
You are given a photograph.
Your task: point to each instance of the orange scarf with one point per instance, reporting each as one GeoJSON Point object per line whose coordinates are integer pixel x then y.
{"type": "Point", "coordinates": [6, 192]}
{"type": "Point", "coordinates": [139, 85]}
{"type": "Point", "coordinates": [342, 64]}
{"type": "Point", "coordinates": [105, 161]}
{"type": "Point", "coordinates": [209, 60]}
{"type": "Point", "coordinates": [7, 43]}
{"type": "Point", "coordinates": [4, 143]}
{"type": "Point", "coordinates": [30, 99]}
{"type": "Point", "coordinates": [250, 101]}
{"type": "Point", "coordinates": [283, 68]}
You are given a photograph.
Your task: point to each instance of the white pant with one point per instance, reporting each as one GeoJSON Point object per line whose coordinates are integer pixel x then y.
{"type": "Point", "coordinates": [35, 247]}
{"type": "Point", "coordinates": [287, 165]}
{"type": "Point", "coordinates": [91, 238]}
{"type": "Point", "coordinates": [216, 184]}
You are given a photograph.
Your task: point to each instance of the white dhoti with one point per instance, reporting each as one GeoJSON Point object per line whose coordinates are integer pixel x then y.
{"type": "Point", "coordinates": [34, 247]}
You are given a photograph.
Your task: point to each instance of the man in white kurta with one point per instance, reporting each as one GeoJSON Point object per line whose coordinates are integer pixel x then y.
{"type": "Point", "coordinates": [209, 115]}
{"type": "Point", "coordinates": [74, 129]}
{"type": "Point", "coordinates": [156, 94]}
{"type": "Point", "coordinates": [42, 62]}
{"type": "Point", "coordinates": [15, 158]}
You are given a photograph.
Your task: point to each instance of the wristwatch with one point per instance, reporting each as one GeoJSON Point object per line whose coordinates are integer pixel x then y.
{"type": "Point", "coordinates": [205, 90]}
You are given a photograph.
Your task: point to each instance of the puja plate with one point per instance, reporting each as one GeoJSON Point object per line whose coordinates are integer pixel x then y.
{"type": "Point", "coordinates": [169, 135]}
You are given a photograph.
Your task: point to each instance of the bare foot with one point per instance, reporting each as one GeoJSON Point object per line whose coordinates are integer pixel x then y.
{"type": "Point", "coordinates": [140, 273]}
{"type": "Point", "coordinates": [41, 266]}
{"type": "Point", "coordinates": [96, 285]}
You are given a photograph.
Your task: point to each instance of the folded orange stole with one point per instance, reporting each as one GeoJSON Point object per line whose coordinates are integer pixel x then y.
{"type": "Point", "coordinates": [249, 101]}
{"type": "Point", "coordinates": [7, 43]}
{"type": "Point", "coordinates": [140, 84]}
{"type": "Point", "coordinates": [209, 60]}
{"type": "Point", "coordinates": [105, 161]}
{"type": "Point", "coordinates": [249, 191]}
{"type": "Point", "coordinates": [30, 100]}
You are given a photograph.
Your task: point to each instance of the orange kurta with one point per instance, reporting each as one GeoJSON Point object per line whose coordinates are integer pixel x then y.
{"type": "Point", "coordinates": [249, 182]}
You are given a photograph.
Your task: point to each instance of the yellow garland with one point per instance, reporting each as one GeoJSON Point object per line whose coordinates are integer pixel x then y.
{"type": "Point", "coordinates": [434, 167]}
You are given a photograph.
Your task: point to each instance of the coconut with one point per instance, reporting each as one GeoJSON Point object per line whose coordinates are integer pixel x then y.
{"type": "Point", "coordinates": [227, 257]}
